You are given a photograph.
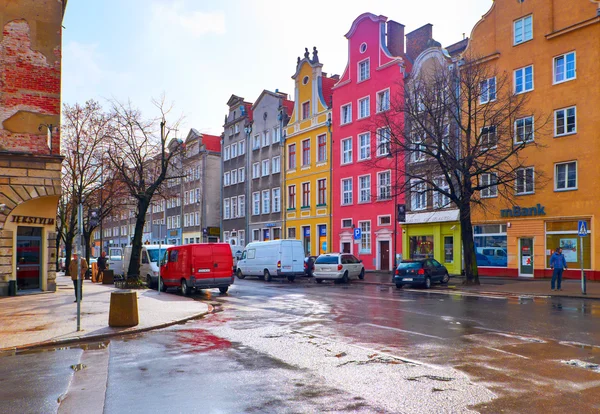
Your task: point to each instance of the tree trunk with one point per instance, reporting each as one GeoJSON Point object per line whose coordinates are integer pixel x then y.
{"type": "Point", "coordinates": [133, 270]}
{"type": "Point", "coordinates": [68, 253]}
{"type": "Point", "coordinates": [86, 238]}
{"type": "Point", "coordinates": [466, 230]}
{"type": "Point", "coordinates": [58, 239]}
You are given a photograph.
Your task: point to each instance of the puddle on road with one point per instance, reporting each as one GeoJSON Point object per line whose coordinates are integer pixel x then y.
{"type": "Point", "coordinates": [87, 346]}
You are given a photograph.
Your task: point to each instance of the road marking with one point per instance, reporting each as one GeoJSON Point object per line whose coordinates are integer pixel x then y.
{"type": "Point", "coordinates": [506, 352]}
{"type": "Point", "coordinates": [404, 331]}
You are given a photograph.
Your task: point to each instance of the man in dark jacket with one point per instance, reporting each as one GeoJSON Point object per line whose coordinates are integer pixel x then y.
{"type": "Point", "coordinates": [557, 263]}
{"type": "Point", "coordinates": [101, 266]}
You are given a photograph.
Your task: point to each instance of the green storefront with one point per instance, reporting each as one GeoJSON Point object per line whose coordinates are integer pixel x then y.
{"type": "Point", "coordinates": [433, 235]}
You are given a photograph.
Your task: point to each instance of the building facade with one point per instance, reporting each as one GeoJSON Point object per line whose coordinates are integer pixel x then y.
{"type": "Point", "coordinates": [365, 174]}
{"type": "Point", "coordinates": [270, 117]}
{"type": "Point", "coordinates": [550, 49]}
{"type": "Point", "coordinates": [308, 158]}
{"type": "Point", "coordinates": [30, 160]}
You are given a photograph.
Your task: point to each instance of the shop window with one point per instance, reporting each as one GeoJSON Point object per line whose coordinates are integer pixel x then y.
{"type": "Point", "coordinates": [490, 245]}
{"type": "Point", "coordinates": [421, 247]}
{"type": "Point", "coordinates": [563, 234]}
{"type": "Point", "coordinates": [448, 249]}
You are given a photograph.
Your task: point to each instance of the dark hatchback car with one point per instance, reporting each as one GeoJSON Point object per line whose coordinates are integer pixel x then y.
{"type": "Point", "coordinates": [309, 265]}
{"type": "Point", "coordinates": [420, 272]}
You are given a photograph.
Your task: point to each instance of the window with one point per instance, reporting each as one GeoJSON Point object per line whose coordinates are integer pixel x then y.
{"type": "Point", "coordinates": [347, 151]}
{"type": "Point", "coordinates": [242, 174]}
{"type": "Point", "coordinates": [255, 170]}
{"type": "Point", "coordinates": [305, 110]}
{"type": "Point", "coordinates": [523, 30]}
{"type": "Point", "coordinates": [234, 207]}
{"type": "Point", "coordinates": [185, 195]}
{"type": "Point", "coordinates": [564, 234]}
{"type": "Point", "coordinates": [276, 200]}
{"type": "Point", "coordinates": [565, 176]}
{"type": "Point", "coordinates": [418, 195]}
{"type": "Point", "coordinates": [306, 152]}
{"type": "Point", "coordinates": [265, 167]}
{"type": "Point", "coordinates": [346, 191]}
{"type": "Point", "coordinates": [421, 247]}
{"type": "Point", "coordinates": [365, 236]}
{"type": "Point", "coordinates": [384, 185]}
{"type": "Point", "coordinates": [565, 67]}
{"type": "Point", "coordinates": [234, 177]}
{"type": "Point", "coordinates": [255, 203]}
{"type": "Point", "coordinates": [364, 146]}
{"type": "Point", "coordinates": [291, 232]}
{"type": "Point", "coordinates": [255, 237]}
{"type": "Point", "coordinates": [242, 238]}
{"type": "Point", "coordinates": [236, 128]}
{"type": "Point", "coordinates": [346, 223]}
{"type": "Point", "coordinates": [305, 194]}
{"type": "Point", "coordinates": [419, 148]}
{"type": "Point", "coordinates": [292, 156]}
{"type": "Point", "coordinates": [226, 180]}
{"type": "Point", "coordinates": [276, 165]}
{"type": "Point", "coordinates": [227, 152]}
{"type": "Point", "coordinates": [226, 214]}
{"type": "Point", "coordinates": [322, 192]}
{"type": "Point", "coordinates": [242, 147]}
{"type": "Point", "coordinates": [489, 182]}
{"type": "Point", "coordinates": [384, 220]}
{"type": "Point", "coordinates": [491, 245]}
{"type": "Point", "coordinates": [441, 200]}
{"type": "Point", "coordinates": [383, 100]}
{"type": "Point", "coordinates": [524, 130]}
{"type": "Point", "coordinates": [565, 121]}
{"type": "Point", "coordinates": [383, 142]}
{"type": "Point", "coordinates": [192, 197]}
{"type": "Point", "coordinates": [346, 114]}
{"type": "Point", "coordinates": [256, 142]}
{"type": "Point", "coordinates": [242, 205]}
{"type": "Point", "coordinates": [266, 201]}
{"type": "Point", "coordinates": [364, 107]}
{"type": "Point", "coordinates": [276, 233]}
{"type": "Point", "coordinates": [488, 137]}
{"type": "Point", "coordinates": [168, 222]}
{"type": "Point", "coordinates": [234, 150]}
{"type": "Point", "coordinates": [265, 139]}
{"type": "Point", "coordinates": [322, 148]}
{"type": "Point", "coordinates": [276, 135]}
{"type": "Point", "coordinates": [487, 90]}
{"type": "Point", "coordinates": [524, 182]}
{"type": "Point", "coordinates": [291, 197]}
{"type": "Point", "coordinates": [524, 79]}
{"type": "Point", "coordinates": [448, 249]}
{"type": "Point", "coordinates": [363, 70]}
{"type": "Point", "coordinates": [364, 189]}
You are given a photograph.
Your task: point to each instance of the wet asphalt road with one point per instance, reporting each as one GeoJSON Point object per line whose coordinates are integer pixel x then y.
{"type": "Point", "coordinates": [302, 347]}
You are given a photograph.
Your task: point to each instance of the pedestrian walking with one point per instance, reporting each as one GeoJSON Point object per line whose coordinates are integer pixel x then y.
{"type": "Point", "coordinates": [73, 272]}
{"type": "Point", "coordinates": [102, 260]}
{"type": "Point", "coordinates": [557, 263]}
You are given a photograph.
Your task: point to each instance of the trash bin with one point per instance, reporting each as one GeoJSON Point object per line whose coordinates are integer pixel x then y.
{"type": "Point", "coordinates": [108, 277]}
{"type": "Point", "coordinates": [12, 288]}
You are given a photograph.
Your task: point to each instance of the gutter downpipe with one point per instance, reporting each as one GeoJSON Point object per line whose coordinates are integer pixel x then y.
{"type": "Point", "coordinates": [283, 202]}
{"type": "Point", "coordinates": [330, 232]}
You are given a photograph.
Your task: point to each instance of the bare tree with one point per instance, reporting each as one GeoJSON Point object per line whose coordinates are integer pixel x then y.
{"type": "Point", "coordinates": [139, 153]}
{"type": "Point", "coordinates": [464, 136]}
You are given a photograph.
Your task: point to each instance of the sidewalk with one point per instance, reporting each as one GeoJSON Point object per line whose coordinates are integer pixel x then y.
{"type": "Point", "coordinates": [507, 286]}
{"type": "Point", "coordinates": [51, 318]}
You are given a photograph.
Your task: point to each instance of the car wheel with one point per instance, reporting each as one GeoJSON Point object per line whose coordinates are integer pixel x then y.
{"type": "Point", "coordinates": [445, 278]}
{"type": "Point", "coordinates": [224, 289]}
{"type": "Point", "coordinates": [185, 290]}
{"type": "Point", "coordinates": [163, 288]}
{"type": "Point", "coordinates": [361, 276]}
{"type": "Point", "coordinates": [399, 285]}
{"type": "Point", "coordinates": [267, 275]}
{"type": "Point", "coordinates": [319, 280]}
{"type": "Point", "coordinates": [240, 274]}
{"type": "Point", "coordinates": [427, 282]}
{"type": "Point", "coordinates": [291, 278]}
{"type": "Point", "coordinates": [345, 278]}
{"type": "Point", "coordinates": [149, 282]}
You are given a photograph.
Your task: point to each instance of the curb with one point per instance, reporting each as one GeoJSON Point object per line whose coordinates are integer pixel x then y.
{"type": "Point", "coordinates": [94, 338]}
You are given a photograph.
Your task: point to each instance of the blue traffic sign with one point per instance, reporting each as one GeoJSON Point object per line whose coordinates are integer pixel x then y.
{"type": "Point", "coordinates": [582, 228]}
{"type": "Point", "coordinates": [357, 233]}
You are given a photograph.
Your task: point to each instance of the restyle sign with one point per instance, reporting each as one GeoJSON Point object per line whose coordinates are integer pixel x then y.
{"type": "Point", "coordinates": [517, 211]}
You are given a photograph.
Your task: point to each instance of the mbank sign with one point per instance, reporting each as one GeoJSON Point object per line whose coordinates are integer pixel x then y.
{"type": "Point", "coordinates": [517, 211]}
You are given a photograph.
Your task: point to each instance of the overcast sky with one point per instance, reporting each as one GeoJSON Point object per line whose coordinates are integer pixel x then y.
{"type": "Point", "coordinates": [199, 52]}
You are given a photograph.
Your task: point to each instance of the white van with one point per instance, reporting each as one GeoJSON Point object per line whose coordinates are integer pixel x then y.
{"type": "Point", "coordinates": [149, 262]}
{"type": "Point", "coordinates": [275, 258]}
{"type": "Point", "coordinates": [115, 260]}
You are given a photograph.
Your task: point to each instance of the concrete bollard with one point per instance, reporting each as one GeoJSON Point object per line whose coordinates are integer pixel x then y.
{"type": "Point", "coordinates": [123, 309]}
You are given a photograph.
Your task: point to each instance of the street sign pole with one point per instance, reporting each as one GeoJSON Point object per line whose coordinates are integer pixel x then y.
{"type": "Point", "coordinates": [582, 230]}
{"type": "Point", "coordinates": [79, 281]}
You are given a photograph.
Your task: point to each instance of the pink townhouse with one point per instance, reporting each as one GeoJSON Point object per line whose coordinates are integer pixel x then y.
{"type": "Point", "coordinates": [364, 184]}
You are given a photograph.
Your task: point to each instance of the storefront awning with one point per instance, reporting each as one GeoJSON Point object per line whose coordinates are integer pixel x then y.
{"type": "Point", "coordinates": [432, 217]}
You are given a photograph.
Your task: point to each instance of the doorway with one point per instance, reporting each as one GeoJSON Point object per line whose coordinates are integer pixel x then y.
{"type": "Point", "coordinates": [384, 255]}
{"type": "Point", "coordinates": [29, 258]}
{"type": "Point", "coordinates": [526, 257]}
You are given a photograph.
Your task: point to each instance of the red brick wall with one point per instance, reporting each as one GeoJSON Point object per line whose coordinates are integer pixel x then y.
{"type": "Point", "coordinates": [416, 41]}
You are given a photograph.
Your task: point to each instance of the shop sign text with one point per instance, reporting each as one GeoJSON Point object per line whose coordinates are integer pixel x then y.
{"type": "Point", "coordinates": [32, 220]}
{"type": "Point", "coordinates": [517, 211]}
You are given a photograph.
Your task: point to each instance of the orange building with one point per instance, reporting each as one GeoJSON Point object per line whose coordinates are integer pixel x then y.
{"type": "Point", "coordinates": [551, 48]}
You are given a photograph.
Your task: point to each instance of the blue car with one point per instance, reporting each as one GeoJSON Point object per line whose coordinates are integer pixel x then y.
{"type": "Point", "coordinates": [422, 272]}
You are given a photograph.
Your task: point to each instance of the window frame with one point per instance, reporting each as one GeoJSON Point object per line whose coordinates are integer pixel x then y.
{"type": "Point", "coordinates": [556, 165]}
{"type": "Point", "coordinates": [378, 107]}
{"type": "Point", "coordinates": [321, 146]}
{"type": "Point", "coordinates": [419, 195]}
{"type": "Point", "coordinates": [305, 194]}
{"type": "Point", "coordinates": [489, 99]}
{"type": "Point", "coordinates": [305, 151]}
{"type": "Point", "coordinates": [255, 170]}
{"type": "Point", "coordinates": [265, 171]}
{"type": "Point", "coordinates": [525, 191]}
{"type": "Point", "coordinates": [254, 200]}
{"type": "Point", "coordinates": [386, 145]}
{"type": "Point", "coordinates": [291, 156]}
{"type": "Point", "coordinates": [564, 56]}
{"type": "Point", "coordinates": [266, 202]}
{"type": "Point", "coordinates": [564, 110]}
{"type": "Point", "coordinates": [349, 151]}
{"type": "Point", "coordinates": [303, 105]}
{"type": "Point", "coordinates": [276, 195]}
{"type": "Point", "coordinates": [516, 139]}
{"type": "Point", "coordinates": [522, 20]}
{"type": "Point", "coordinates": [489, 189]}
{"type": "Point", "coordinates": [359, 115]}
{"type": "Point", "coordinates": [344, 191]}
{"type": "Point", "coordinates": [321, 192]}
{"type": "Point", "coordinates": [358, 70]}
{"type": "Point", "coordinates": [342, 108]}
{"type": "Point", "coordinates": [388, 185]}
{"type": "Point", "coordinates": [360, 189]}
{"type": "Point", "coordinates": [276, 162]}
{"type": "Point", "coordinates": [367, 147]}
{"type": "Point", "coordinates": [291, 194]}
{"type": "Point", "coordinates": [524, 76]}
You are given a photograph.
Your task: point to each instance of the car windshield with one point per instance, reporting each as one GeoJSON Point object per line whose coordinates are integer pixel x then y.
{"type": "Point", "coordinates": [327, 260]}
{"type": "Point", "coordinates": [410, 265]}
{"type": "Point", "coordinates": [154, 254]}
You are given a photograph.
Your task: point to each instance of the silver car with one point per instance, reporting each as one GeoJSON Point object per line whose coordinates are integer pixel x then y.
{"type": "Point", "coordinates": [338, 266]}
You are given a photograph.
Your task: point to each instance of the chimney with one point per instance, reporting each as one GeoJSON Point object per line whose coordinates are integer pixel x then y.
{"type": "Point", "coordinates": [416, 41]}
{"type": "Point", "coordinates": [335, 77]}
{"type": "Point", "coordinates": [395, 38]}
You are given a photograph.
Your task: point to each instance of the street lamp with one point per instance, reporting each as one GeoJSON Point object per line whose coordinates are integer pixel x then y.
{"type": "Point", "coordinates": [49, 128]}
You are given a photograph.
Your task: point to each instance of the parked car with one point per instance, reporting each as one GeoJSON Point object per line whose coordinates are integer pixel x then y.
{"type": "Point", "coordinates": [275, 258]}
{"type": "Point", "coordinates": [149, 258]}
{"type": "Point", "coordinates": [482, 260]}
{"type": "Point", "coordinates": [198, 266]}
{"type": "Point", "coordinates": [309, 265]}
{"type": "Point", "coordinates": [338, 266]}
{"type": "Point", "coordinates": [420, 272]}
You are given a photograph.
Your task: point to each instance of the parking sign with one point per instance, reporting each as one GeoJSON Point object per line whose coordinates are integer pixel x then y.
{"type": "Point", "coordinates": [357, 233]}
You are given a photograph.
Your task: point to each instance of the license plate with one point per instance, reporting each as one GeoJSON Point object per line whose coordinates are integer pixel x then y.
{"type": "Point", "coordinates": [407, 279]}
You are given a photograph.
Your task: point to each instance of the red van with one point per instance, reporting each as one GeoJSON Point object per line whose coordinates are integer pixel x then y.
{"type": "Point", "coordinates": [198, 266]}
